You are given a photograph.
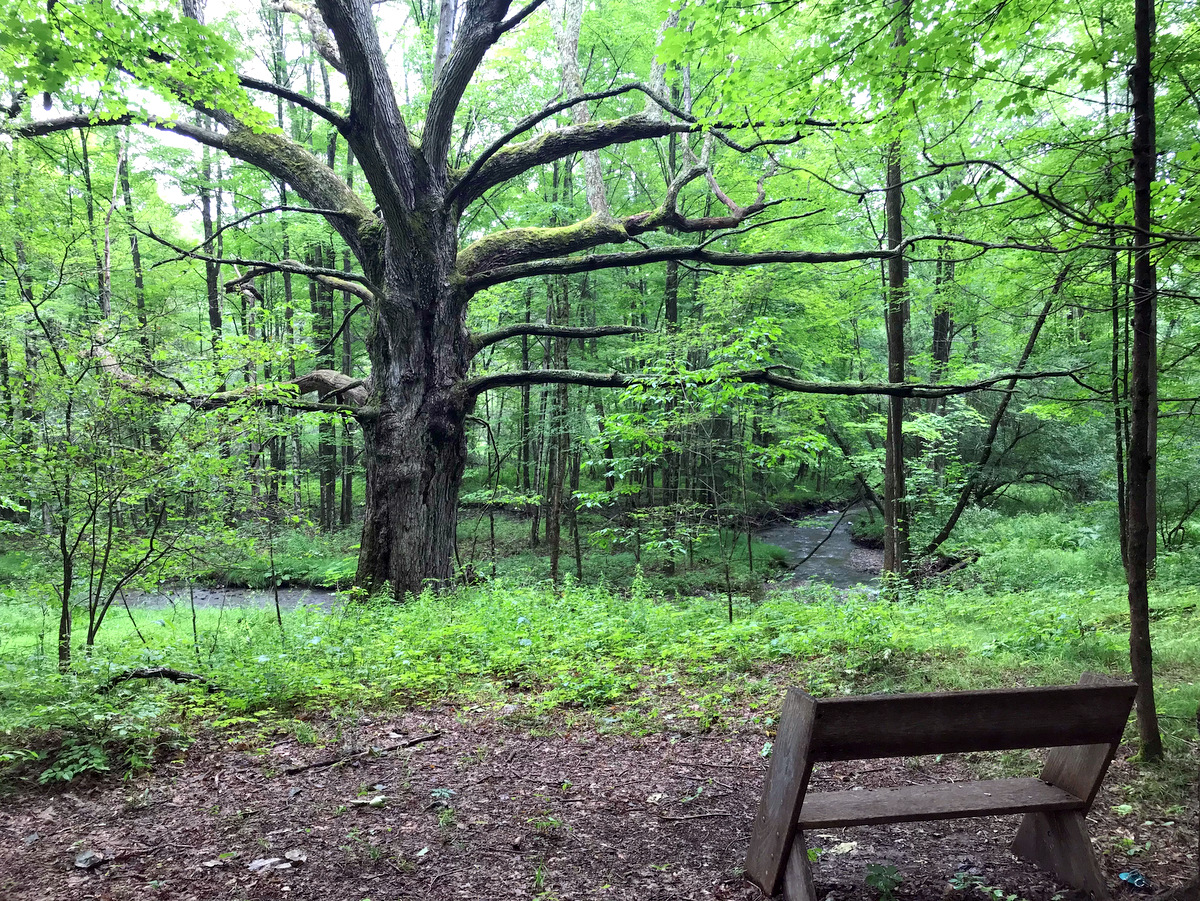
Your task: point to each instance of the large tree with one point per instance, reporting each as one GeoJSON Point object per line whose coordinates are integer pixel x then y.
{"type": "Point", "coordinates": [418, 266]}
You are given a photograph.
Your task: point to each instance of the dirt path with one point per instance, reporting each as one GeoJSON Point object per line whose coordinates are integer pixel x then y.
{"type": "Point", "coordinates": [487, 811]}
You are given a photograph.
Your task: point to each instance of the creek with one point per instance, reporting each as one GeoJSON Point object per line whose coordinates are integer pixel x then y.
{"type": "Point", "coordinates": [214, 598]}
{"type": "Point", "coordinates": [839, 562]}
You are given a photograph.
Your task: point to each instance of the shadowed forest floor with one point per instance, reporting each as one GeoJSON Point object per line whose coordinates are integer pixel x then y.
{"type": "Point", "coordinates": [497, 806]}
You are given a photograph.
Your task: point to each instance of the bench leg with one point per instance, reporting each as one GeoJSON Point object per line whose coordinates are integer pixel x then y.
{"type": "Point", "coordinates": [1059, 843]}
{"type": "Point", "coordinates": [797, 878]}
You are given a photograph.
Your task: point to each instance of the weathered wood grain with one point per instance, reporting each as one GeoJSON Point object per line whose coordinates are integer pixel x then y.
{"type": "Point", "coordinates": [933, 802]}
{"type": "Point", "coordinates": [787, 779]}
{"type": "Point", "coordinates": [862, 728]}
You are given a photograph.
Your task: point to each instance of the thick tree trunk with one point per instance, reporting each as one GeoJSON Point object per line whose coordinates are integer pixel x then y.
{"type": "Point", "coordinates": [415, 446]}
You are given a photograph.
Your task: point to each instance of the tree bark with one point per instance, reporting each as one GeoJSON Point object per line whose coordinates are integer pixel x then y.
{"type": "Point", "coordinates": [1142, 383]}
{"type": "Point", "coordinates": [896, 521]}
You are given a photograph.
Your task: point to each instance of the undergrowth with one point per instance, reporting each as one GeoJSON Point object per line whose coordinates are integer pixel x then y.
{"type": "Point", "coordinates": [634, 662]}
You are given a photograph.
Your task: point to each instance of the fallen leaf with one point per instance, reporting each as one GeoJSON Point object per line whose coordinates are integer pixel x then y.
{"type": "Point", "coordinates": [263, 863]}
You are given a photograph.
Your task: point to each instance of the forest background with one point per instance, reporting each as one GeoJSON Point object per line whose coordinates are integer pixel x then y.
{"type": "Point", "coordinates": [934, 262]}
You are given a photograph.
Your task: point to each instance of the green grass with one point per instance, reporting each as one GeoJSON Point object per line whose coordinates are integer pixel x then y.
{"type": "Point", "coordinates": [632, 651]}
{"type": "Point", "coordinates": [640, 662]}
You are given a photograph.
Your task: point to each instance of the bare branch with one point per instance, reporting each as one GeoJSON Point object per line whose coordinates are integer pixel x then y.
{"type": "Point", "coordinates": [335, 119]}
{"type": "Point", "coordinates": [482, 25]}
{"type": "Point", "coordinates": [339, 279]}
{"type": "Point", "coordinates": [471, 388]}
{"type": "Point", "coordinates": [333, 279]}
{"type": "Point", "coordinates": [264, 212]}
{"type": "Point", "coordinates": [377, 132]}
{"type": "Point", "coordinates": [322, 39]}
{"type": "Point", "coordinates": [341, 328]}
{"type": "Point", "coordinates": [486, 339]}
{"type": "Point", "coordinates": [513, 160]}
{"type": "Point", "coordinates": [513, 21]}
{"type": "Point", "coordinates": [527, 123]}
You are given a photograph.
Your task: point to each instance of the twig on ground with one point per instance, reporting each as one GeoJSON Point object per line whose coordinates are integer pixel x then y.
{"type": "Point", "coordinates": [344, 758]}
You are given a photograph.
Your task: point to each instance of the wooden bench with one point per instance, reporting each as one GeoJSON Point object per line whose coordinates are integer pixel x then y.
{"type": "Point", "coordinates": [1081, 723]}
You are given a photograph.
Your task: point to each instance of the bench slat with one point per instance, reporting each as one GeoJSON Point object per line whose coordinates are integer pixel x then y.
{"type": "Point", "coordinates": [933, 802]}
{"type": "Point", "coordinates": [863, 728]}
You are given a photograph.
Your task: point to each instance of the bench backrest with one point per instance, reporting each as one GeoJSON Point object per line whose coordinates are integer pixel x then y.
{"type": "Point", "coordinates": [908, 725]}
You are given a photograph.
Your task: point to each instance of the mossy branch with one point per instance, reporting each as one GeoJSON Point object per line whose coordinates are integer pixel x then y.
{"type": "Point", "coordinates": [696, 253]}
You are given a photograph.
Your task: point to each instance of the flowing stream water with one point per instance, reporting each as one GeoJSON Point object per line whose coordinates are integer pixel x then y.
{"type": "Point", "coordinates": [289, 598]}
{"type": "Point", "coordinates": [838, 562]}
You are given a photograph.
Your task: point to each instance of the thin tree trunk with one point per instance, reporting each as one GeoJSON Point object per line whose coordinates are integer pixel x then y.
{"type": "Point", "coordinates": [212, 270]}
{"type": "Point", "coordinates": [1142, 378]}
{"type": "Point", "coordinates": [896, 551]}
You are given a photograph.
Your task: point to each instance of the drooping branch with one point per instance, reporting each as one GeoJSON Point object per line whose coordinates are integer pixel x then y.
{"type": "Point", "coordinates": [695, 254]}
{"type": "Point", "coordinates": [330, 278]}
{"type": "Point", "coordinates": [471, 388]}
{"type": "Point", "coordinates": [270, 151]}
{"type": "Point", "coordinates": [486, 339]}
{"type": "Point", "coordinates": [351, 393]}
{"type": "Point", "coordinates": [338, 279]}
{"type": "Point", "coordinates": [265, 211]}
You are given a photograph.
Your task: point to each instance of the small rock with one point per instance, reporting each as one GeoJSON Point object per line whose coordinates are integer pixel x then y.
{"type": "Point", "coordinates": [85, 860]}
{"type": "Point", "coordinates": [30, 838]}
{"type": "Point", "coordinates": [296, 855]}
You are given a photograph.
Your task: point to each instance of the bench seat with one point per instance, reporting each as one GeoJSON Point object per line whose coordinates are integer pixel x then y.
{"type": "Point", "coordinates": [871, 807]}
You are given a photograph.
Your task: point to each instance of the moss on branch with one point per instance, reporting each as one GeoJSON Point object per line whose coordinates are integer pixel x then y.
{"type": "Point", "coordinates": [520, 245]}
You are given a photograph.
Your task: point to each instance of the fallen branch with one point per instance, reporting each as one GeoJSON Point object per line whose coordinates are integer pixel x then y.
{"type": "Point", "coordinates": [157, 672]}
{"type": "Point", "coordinates": [345, 758]}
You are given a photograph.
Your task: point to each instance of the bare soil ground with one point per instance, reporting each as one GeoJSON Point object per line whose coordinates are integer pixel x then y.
{"type": "Point", "coordinates": [489, 809]}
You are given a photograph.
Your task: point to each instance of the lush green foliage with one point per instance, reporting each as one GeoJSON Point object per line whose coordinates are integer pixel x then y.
{"type": "Point", "coordinates": [626, 661]}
